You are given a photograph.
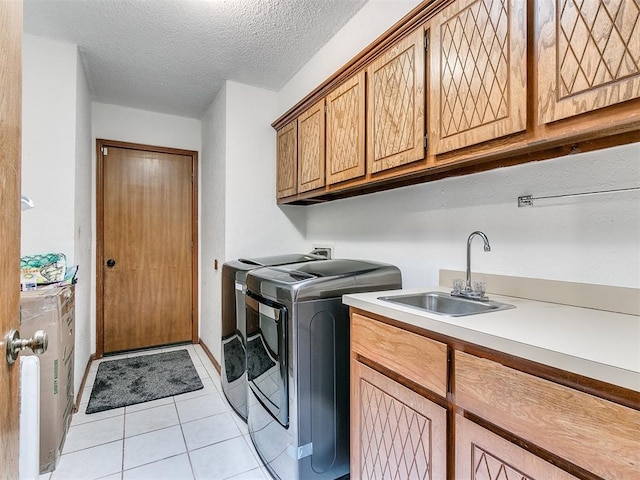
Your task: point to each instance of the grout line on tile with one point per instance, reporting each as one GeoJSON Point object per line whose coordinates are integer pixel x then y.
{"type": "Point", "coordinates": [186, 445]}
{"type": "Point", "coordinates": [155, 461]}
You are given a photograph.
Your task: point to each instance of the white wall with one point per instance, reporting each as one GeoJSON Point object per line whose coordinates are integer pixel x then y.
{"type": "Point", "coordinates": [113, 122]}
{"type": "Point", "coordinates": [83, 235]}
{"type": "Point", "coordinates": [240, 217]}
{"type": "Point", "coordinates": [56, 169]}
{"type": "Point", "coordinates": [255, 225]}
{"type": "Point", "coordinates": [425, 227]}
{"type": "Point", "coordinates": [48, 145]}
{"type": "Point", "coordinates": [212, 226]}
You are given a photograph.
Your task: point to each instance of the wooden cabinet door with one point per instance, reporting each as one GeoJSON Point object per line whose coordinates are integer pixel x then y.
{"type": "Point", "coordinates": [587, 55]}
{"type": "Point", "coordinates": [395, 433]}
{"type": "Point", "coordinates": [478, 79]}
{"type": "Point", "coordinates": [395, 105]}
{"type": "Point", "coordinates": [311, 148]}
{"type": "Point", "coordinates": [482, 455]}
{"type": "Point", "coordinates": [287, 160]}
{"type": "Point", "coordinates": [595, 434]}
{"type": "Point", "coordinates": [345, 131]}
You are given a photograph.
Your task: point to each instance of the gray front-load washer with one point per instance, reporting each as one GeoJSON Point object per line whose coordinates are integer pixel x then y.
{"type": "Point", "coordinates": [298, 363]}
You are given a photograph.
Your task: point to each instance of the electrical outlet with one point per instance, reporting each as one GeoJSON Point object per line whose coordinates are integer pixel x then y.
{"type": "Point", "coordinates": [325, 249]}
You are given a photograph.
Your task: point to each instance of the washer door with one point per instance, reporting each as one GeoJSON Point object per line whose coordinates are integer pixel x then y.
{"type": "Point", "coordinates": [267, 355]}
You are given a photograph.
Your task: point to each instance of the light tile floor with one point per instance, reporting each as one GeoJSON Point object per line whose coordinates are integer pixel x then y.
{"type": "Point", "coordinates": [194, 436]}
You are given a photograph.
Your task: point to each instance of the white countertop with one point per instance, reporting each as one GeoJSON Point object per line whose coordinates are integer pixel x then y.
{"type": "Point", "coordinates": [596, 344]}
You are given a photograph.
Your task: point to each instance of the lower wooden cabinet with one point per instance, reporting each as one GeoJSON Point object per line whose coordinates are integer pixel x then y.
{"type": "Point", "coordinates": [597, 435]}
{"type": "Point", "coordinates": [482, 455]}
{"type": "Point", "coordinates": [417, 358]}
{"type": "Point", "coordinates": [396, 433]}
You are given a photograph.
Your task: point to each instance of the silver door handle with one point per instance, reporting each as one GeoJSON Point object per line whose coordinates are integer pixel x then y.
{"type": "Point", "coordinates": [38, 344]}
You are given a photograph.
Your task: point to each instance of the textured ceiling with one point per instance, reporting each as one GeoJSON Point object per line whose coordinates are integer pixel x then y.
{"type": "Point", "coordinates": [173, 56]}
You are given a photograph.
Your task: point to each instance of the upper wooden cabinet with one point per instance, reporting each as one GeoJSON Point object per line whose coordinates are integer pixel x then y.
{"type": "Point", "coordinates": [508, 82]}
{"type": "Point", "coordinates": [345, 144]}
{"type": "Point", "coordinates": [478, 73]}
{"type": "Point", "coordinates": [587, 56]}
{"type": "Point", "coordinates": [287, 160]}
{"type": "Point", "coordinates": [311, 148]}
{"type": "Point", "coordinates": [395, 105]}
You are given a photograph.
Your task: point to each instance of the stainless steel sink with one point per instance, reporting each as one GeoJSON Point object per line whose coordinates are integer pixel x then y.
{"type": "Point", "coordinates": [445, 304]}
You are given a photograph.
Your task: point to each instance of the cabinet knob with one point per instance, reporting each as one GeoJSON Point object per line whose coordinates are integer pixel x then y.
{"type": "Point", "coordinates": [111, 262]}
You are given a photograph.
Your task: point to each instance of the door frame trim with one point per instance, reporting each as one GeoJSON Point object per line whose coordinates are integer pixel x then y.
{"type": "Point", "coordinates": [100, 143]}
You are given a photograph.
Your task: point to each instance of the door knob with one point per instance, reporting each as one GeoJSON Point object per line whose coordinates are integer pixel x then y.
{"type": "Point", "coordinates": [38, 344]}
{"type": "Point", "coordinates": [111, 262]}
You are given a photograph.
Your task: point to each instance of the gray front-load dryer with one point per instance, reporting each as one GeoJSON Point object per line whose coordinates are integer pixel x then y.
{"type": "Point", "coordinates": [234, 339]}
{"type": "Point", "coordinates": [298, 366]}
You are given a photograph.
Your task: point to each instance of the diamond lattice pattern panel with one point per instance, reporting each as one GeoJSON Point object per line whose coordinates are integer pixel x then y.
{"type": "Point", "coordinates": [343, 114]}
{"type": "Point", "coordinates": [395, 438]}
{"type": "Point", "coordinates": [598, 43]}
{"type": "Point", "coordinates": [475, 67]}
{"type": "Point", "coordinates": [286, 160]}
{"type": "Point", "coordinates": [309, 137]}
{"type": "Point", "coordinates": [394, 104]}
{"type": "Point", "coordinates": [488, 467]}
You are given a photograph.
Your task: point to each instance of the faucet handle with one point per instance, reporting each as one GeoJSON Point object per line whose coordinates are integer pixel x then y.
{"type": "Point", "coordinates": [480, 288]}
{"type": "Point", "coordinates": [458, 285]}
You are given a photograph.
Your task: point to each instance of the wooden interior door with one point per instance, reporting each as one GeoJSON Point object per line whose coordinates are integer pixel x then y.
{"type": "Point", "coordinates": [148, 212]}
{"type": "Point", "coordinates": [10, 161]}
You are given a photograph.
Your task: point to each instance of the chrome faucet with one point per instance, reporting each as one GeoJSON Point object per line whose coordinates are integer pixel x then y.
{"type": "Point", "coordinates": [468, 291]}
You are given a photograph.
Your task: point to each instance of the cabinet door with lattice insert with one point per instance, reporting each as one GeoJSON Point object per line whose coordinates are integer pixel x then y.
{"type": "Point", "coordinates": [587, 54]}
{"type": "Point", "coordinates": [395, 433]}
{"type": "Point", "coordinates": [483, 455]}
{"type": "Point", "coordinates": [395, 105]}
{"type": "Point", "coordinates": [345, 131]}
{"type": "Point", "coordinates": [287, 160]}
{"type": "Point", "coordinates": [311, 148]}
{"type": "Point", "coordinates": [478, 73]}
